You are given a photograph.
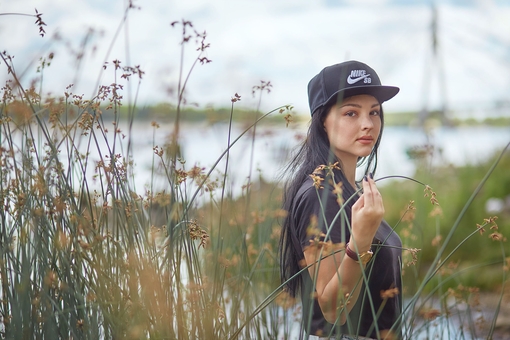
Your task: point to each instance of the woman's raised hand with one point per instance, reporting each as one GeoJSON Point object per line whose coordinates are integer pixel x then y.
{"type": "Point", "coordinates": [367, 214]}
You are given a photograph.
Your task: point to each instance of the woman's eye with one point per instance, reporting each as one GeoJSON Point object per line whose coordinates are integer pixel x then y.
{"type": "Point", "coordinates": [375, 113]}
{"type": "Point", "coordinates": [350, 113]}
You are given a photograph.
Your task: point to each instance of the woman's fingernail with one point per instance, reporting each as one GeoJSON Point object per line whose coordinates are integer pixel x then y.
{"type": "Point", "coordinates": [365, 178]}
{"type": "Point", "coordinates": [371, 176]}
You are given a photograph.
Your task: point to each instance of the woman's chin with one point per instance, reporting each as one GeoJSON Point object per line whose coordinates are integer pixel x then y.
{"type": "Point", "coordinates": [364, 154]}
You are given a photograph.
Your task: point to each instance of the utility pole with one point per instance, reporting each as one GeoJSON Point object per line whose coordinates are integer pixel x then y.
{"type": "Point", "coordinates": [434, 67]}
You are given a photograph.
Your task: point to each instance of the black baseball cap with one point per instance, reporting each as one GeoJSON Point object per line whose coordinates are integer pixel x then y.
{"type": "Point", "coordinates": [346, 79]}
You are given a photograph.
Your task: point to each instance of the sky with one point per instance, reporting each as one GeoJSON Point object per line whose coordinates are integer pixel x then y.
{"type": "Point", "coordinates": [284, 42]}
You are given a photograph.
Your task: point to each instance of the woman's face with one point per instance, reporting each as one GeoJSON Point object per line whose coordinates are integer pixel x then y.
{"type": "Point", "coordinates": [353, 127]}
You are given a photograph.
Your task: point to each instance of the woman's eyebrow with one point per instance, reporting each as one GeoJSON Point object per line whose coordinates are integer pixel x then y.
{"type": "Point", "coordinates": [350, 104]}
{"type": "Point", "coordinates": [359, 106]}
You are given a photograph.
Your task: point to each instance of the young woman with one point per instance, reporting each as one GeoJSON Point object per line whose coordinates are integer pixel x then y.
{"type": "Point", "coordinates": [335, 249]}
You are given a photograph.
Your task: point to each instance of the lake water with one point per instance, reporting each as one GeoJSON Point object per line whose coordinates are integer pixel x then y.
{"type": "Point", "coordinates": [202, 144]}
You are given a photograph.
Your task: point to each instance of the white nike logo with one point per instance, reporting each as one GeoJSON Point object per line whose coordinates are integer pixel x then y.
{"type": "Point", "coordinates": [355, 80]}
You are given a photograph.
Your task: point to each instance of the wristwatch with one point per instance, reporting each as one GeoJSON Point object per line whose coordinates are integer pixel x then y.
{"type": "Point", "coordinates": [364, 257]}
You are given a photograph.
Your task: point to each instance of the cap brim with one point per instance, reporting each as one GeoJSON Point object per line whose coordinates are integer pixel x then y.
{"type": "Point", "coordinates": [381, 92]}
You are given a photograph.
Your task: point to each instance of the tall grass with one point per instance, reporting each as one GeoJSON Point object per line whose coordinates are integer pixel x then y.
{"type": "Point", "coordinates": [86, 254]}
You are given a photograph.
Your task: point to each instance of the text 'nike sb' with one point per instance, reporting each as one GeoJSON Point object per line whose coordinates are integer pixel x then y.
{"type": "Point", "coordinates": [357, 75]}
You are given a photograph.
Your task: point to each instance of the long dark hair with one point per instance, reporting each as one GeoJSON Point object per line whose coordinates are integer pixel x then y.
{"type": "Point", "coordinates": [314, 151]}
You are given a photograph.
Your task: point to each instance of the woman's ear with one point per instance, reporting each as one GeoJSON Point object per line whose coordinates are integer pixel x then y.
{"type": "Point", "coordinates": [323, 122]}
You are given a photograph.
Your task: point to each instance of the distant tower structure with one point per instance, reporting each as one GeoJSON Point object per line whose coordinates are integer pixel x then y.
{"type": "Point", "coordinates": [432, 67]}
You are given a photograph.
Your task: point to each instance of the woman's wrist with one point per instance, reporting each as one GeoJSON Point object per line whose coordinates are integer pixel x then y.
{"type": "Point", "coordinates": [363, 257]}
{"type": "Point", "coordinates": [360, 245]}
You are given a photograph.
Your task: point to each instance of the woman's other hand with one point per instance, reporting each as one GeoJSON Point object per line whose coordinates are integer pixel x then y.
{"type": "Point", "coordinates": [367, 214]}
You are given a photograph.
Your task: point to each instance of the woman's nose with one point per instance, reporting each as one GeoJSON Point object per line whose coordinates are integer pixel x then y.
{"type": "Point", "coordinates": [366, 122]}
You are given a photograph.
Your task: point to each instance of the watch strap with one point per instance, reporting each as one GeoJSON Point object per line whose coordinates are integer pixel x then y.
{"type": "Point", "coordinates": [363, 257]}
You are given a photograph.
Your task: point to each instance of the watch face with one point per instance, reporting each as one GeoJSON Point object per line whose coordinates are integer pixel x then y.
{"type": "Point", "coordinates": [365, 257]}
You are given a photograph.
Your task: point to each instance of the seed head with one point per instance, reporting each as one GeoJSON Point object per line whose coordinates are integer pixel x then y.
{"type": "Point", "coordinates": [430, 314]}
{"type": "Point", "coordinates": [432, 194]}
{"type": "Point", "coordinates": [414, 255]}
{"type": "Point", "coordinates": [436, 240]}
{"type": "Point", "coordinates": [389, 293]}
{"type": "Point", "coordinates": [235, 98]}
{"type": "Point", "coordinates": [497, 237]}
{"type": "Point", "coordinates": [197, 233]}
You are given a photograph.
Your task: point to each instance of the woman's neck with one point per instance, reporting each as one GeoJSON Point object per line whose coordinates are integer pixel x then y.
{"type": "Point", "coordinates": [349, 170]}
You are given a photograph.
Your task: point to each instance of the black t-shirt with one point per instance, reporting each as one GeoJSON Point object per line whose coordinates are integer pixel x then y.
{"type": "Point", "coordinates": [383, 271]}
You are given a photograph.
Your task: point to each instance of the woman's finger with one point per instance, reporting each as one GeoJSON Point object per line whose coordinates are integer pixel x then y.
{"type": "Point", "coordinates": [377, 198]}
{"type": "Point", "coordinates": [367, 191]}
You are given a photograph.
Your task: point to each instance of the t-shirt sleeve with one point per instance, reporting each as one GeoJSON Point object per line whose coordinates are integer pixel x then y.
{"type": "Point", "coordinates": [318, 214]}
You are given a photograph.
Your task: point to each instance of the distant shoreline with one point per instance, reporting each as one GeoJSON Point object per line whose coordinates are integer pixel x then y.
{"type": "Point", "coordinates": [166, 113]}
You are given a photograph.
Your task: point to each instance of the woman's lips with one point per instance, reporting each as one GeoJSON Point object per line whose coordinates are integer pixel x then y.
{"type": "Point", "coordinates": [365, 140]}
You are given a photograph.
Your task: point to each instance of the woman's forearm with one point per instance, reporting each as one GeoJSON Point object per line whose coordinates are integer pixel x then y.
{"type": "Point", "coordinates": [342, 291]}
